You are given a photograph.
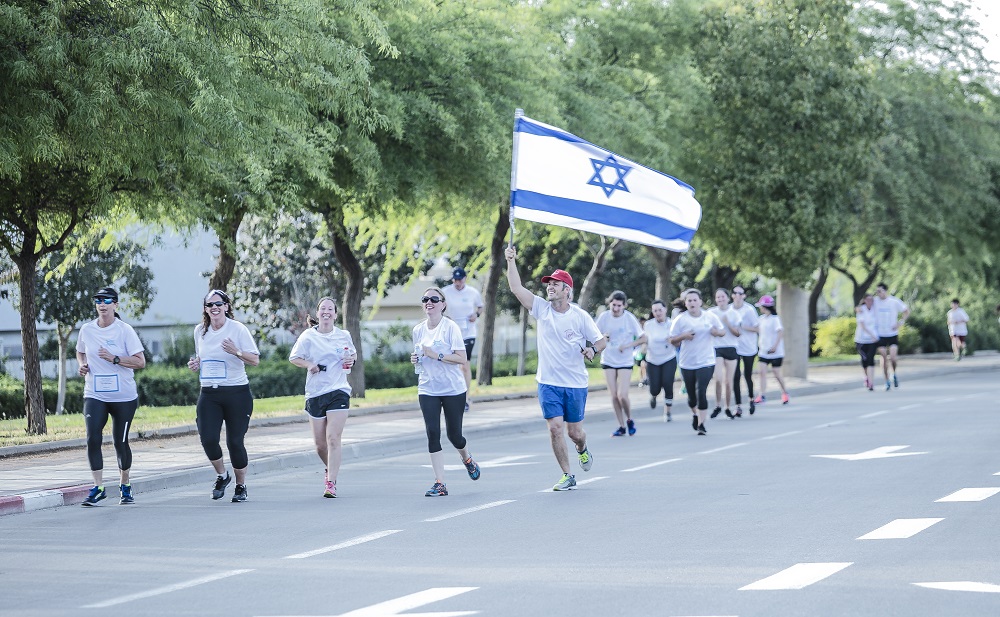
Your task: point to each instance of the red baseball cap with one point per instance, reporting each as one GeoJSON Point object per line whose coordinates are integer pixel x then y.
{"type": "Point", "coordinates": [559, 275]}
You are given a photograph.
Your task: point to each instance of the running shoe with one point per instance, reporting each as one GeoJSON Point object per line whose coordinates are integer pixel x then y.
{"type": "Point", "coordinates": [888, 385]}
{"type": "Point", "coordinates": [784, 398]}
{"type": "Point", "coordinates": [586, 460]}
{"type": "Point", "coordinates": [219, 490]}
{"type": "Point", "coordinates": [694, 422]}
{"type": "Point", "coordinates": [330, 490]}
{"type": "Point", "coordinates": [466, 406]}
{"type": "Point", "coordinates": [240, 493]}
{"type": "Point", "coordinates": [652, 402]}
{"type": "Point", "coordinates": [729, 414]}
{"type": "Point", "coordinates": [438, 490]}
{"type": "Point", "coordinates": [619, 432]}
{"type": "Point", "coordinates": [472, 467]}
{"type": "Point", "coordinates": [96, 494]}
{"type": "Point", "coordinates": [666, 414]}
{"type": "Point", "coordinates": [895, 381]}
{"type": "Point", "coordinates": [739, 411]}
{"type": "Point", "coordinates": [127, 498]}
{"type": "Point", "coordinates": [631, 427]}
{"type": "Point", "coordinates": [684, 389]}
{"type": "Point", "coordinates": [716, 412]}
{"type": "Point", "coordinates": [753, 408]}
{"type": "Point", "coordinates": [701, 429]}
{"type": "Point", "coordinates": [871, 386]}
{"type": "Point", "coordinates": [760, 400]}
{"type": "Point", "coordinates": [568, 481]}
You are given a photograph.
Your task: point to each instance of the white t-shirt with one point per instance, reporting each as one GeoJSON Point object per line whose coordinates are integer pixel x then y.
{"type": "Point", "coordinates": [698, 352]}
{"type": "Point", "coordinates": [865, 317]}
{"type": "Point", "coordinates": [328, 349]}
{"type": "Point", "coordinates": [747, 342]}
{"type": "Point", "coordinates": [733, 316]}
{"type": "Point", "coordinates": [219, 367]}
{"type": "Point", "coordinates": [658, 347]}
{"type": "Point", "coordinates": [440, 378]}
{"type": "Point", "coordinates": [770, 326]}
{"type": "Point", "coordinates": [961, 328]}
{"type": "Point", "coordinates": [618, 331]}
{"type": "Point", "coordinates": [462, 305]}
{"type": "Point", "coordinates": [561, 339]}
{"type": "Point", "coordinates": [887, 315]}
{"type": "Point", "coordinates": [107, 381]}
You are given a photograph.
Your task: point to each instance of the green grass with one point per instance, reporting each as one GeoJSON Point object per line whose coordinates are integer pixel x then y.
{"type": "Point", "coordinates": [147, 419]}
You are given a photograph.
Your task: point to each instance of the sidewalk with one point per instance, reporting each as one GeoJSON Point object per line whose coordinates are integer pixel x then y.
{"type": "Point", "coordinates": [56, 474]}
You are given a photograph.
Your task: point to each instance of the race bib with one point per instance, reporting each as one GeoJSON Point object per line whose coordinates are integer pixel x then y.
{"type": "Point", "coordinates": [213, 369]}
{"type": "Point", "coordinates": [106, 383]}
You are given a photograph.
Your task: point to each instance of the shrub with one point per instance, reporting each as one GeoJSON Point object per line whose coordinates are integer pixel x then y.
{"type": "Point", "coordinates": [835, 336]}
{"type": "Point", "coordinates": [380, 374]}
{"type": "Point", "coordinates": [12, 396]}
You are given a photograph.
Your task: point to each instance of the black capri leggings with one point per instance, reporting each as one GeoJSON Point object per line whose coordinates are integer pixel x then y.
{"type": "Point", "coordinates": [746, 363]}
{"type": "Point", "coordinates": [95, 414]}
{"type": "Point", "coordinates": [232, 405]}
{"type": "Point", "coordinates": [661, 377]}
{"type": "Point", "coordinates": [696, 381]}
{"type": "Point", "coordinates": [454, 410]}
{"type": "Point", "coordinates": [867, 352]}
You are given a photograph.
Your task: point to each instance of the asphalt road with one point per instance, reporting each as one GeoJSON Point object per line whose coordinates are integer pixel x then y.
{"type": "Point", "coordinates": [755, 519]}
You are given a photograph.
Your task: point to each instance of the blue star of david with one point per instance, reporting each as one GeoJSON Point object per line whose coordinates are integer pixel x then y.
{"type": "Point", "coordinates": [598, 180]}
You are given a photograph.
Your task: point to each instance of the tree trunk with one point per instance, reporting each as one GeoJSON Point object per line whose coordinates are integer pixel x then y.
{"type": "Point", "coordinates": [227, 230]}
{"type": "Point", "coordinates": [814, 295]}
{"type": "Point", "coordinates": [723, 278]}
{"type": "Point", "coordinates": [34, 402]}
{"type": "Point", "coordinates": [793, 308]}
{"type": "Point", "coordinates": [353, 295]}
{"type": "Point", "coordinates": [665, 262]}
{"type": "Point", "coordinates": [596, 268]}
{"type": "Point", "coordinates": [63, 333]}
{"type": "Point", "coordinates": [498, 264]}
{"type": "Point", "coordinates": [522, 343]}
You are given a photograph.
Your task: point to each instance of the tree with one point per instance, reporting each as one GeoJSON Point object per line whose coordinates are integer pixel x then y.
{"type": "Point", "coordinates": [65, 293]}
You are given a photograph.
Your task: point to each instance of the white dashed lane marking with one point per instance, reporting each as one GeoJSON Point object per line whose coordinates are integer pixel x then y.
{"type": "Point", "coordinates": [874, 414]}
{"type": "Point", "coordinates": [971, 494]}
{"type": "Point", "coordinates": [485, 506]}
{"type": "Point", "coordinates": [345, 544]}
{"type": "Point", "coordinates": [962, 586]}
{"type": "Point", "coordinates": [650, 465]}
{"type": "Point", "coordinates": [779, 435]}
{"type": "Point", "coordinates": [729, 447]}
{"type": "Point", "coordinates": [900, 528]}
{"type": "Point", "coordinates": [169, 588]}
{"type": "Point", "coordinates": [796, 577]}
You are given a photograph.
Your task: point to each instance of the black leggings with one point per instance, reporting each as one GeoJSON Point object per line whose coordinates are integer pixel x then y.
{"type": "Point", "coordinates": [696, 381]}
{"type": "Point", "coordinates": [454, 410]}
{"type": "Point", "coordinates": [661, 377]}
{"type": "Point", "coordinates": [95, 414]}
{"type": "Point", "coordinates": [747, 364]}
{"type": "Point", "coordinates": [232, 405]}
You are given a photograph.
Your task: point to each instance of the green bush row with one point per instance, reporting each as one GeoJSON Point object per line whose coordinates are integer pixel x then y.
{"type": "Point", "coordinates": [12, 396]}
{"type": "Point", "coordinates": [835, 336]}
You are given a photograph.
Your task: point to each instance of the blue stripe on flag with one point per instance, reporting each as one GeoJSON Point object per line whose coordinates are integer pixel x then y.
{"type": "Point", "coordinates": [605, 215]}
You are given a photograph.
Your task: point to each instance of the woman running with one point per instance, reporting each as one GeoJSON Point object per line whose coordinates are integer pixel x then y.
{"type": "Point", "coordinates": [866, 338]}
{"type": "Point", "coordinates": [772, 348]}
{"type": "Point", "coordinates": [661, 358]}
{"type": "Point", "coordinates": [694, 330]}
{"type": "Point", "coordinates": [746, 347]}
{"type": "Point", "coordinates": [725, 350]}
{"type": "Point", "coordinates": [623, 334]}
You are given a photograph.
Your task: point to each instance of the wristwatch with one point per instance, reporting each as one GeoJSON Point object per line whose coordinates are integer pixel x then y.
{"type": "Point", "coordinates": [440, 357]}
{"type": "Point", "coordinates": [239, 353]}
{"type": "Point", "coordinates": [117, 360]}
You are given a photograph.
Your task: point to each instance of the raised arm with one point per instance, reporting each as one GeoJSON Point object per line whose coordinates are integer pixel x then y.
{"type": "Point", "coordinates": [525, 297]}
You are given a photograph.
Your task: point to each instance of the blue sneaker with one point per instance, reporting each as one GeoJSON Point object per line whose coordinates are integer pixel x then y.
{"type": "Point", "coordinates": [438, 490]}
{"type": "Point", "coordinates": [127, 497]}
{"type": "Point", "coordinates": [618, 432]}
{"type": "Point", "coordinates": [631, 428]}
{"type": "Point", "coordinates": [895, 381]}
{"type": "Point", "coordinates": [96, 494]}
{"type": "Point", "coordinates": [472, 467]}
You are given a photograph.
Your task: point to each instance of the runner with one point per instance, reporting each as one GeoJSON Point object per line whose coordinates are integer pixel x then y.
{"type": "Point", "coordinates": [772, 348]}
{"type": "Point", "coordinates": [891, 314]}
{"type": "Point", "coordinates": [958, 328]}
{"type": "Point", "coordinates": [567, 339]}
{"type": "Point", "coordinates": [746, 347]}
{"type": "Point", "coordinates": [661, 358]}
{"type": "Point", "coordinates": [327, 353]}
{"type": "Point", "coordinates": [694, 330]}
{"type": "Point", "coordinates": [109, 352]}
{"type": "Point", "coordinates": [623, 334]}
{"type": "Point", "coordinates": [866, 338]}
{"type": "Point", "coordinates": [726, 357]}
{"type": "Point", "coordinates": [466, 306]}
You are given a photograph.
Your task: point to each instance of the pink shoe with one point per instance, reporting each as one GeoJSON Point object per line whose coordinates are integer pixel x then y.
{"type": "Point", "coordinates": [784, 398]}
{"type": "Point", "coordinates": [760, 400]}
{"type": "Point", "coordinates": [331, 489]}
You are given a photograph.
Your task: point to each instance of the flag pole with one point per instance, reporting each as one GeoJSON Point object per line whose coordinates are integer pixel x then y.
{"type": "Point", "coordinates": [518, 114]}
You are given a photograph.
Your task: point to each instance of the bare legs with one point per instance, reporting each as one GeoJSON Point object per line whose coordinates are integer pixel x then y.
{"type": "Point", "coordinates": [557, 429]}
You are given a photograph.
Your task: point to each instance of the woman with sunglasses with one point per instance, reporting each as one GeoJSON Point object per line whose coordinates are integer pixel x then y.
{"type": "Point", "coordinates": [327, 353]}
{"type": "Point", "coordinates": [224, 347]}
{"type": "Point", "coordinates": [109, 352]}
{"type": "Point", "coordinates": [695, 331]}
{"type": "Point", "coordinates": [439, 359]}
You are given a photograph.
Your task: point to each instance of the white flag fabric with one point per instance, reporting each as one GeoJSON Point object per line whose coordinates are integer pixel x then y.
{"type": "Point", "coordinates": [559, 179]}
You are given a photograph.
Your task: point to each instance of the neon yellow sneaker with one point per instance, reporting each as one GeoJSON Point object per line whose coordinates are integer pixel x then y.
{"type": "Point", "coordinates": [586, 460]}
{"type": "Point", "coordinates": [568, 481]}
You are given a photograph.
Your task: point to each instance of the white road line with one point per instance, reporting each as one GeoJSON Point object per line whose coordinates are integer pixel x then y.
{"type": "Point", "coordinates": [345, 544]}
{"type": "Point", "coordinates": [962, 586]}
{"type": "Point", "coordinates": [971, 494]}
{"type": "Point", "coordinates": [872, 415]}
{"type": "Point", "coordinates": [779, 435]}
{"type": "Point", "coordinates": [485, 506]}
{"type": "Point", "coordinates": [997, 473]}
{"type": "Point", "coordinates": [412, 601]}
{"type": "Point", "coordinates": [826, 424]}
{"type": "Point", "coordinates": [162, 590]}
{"type": "Point", "coordinates": [729, 447]}
{"type": "Point", "coordinates": [578, 483]}
{"type": "Point", "coordinates": [796, 577]}
{"type": "Point", "coordinates": [905, 407]}
{"type": "Point", "coordinates": [900, 528]}
{"type": "Point", "coordinates": [656, 464]}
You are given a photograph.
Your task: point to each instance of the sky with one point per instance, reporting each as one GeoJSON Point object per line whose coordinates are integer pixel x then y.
{"type": "Point", "coordinates": [987, 12]}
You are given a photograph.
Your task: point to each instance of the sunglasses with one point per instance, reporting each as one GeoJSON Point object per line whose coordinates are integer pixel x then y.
{"type": "Point", "coordinates": [739, 293]}
{"type": "Point", "coordinates": [216, 303]}
{"type": "Point", "coordinates": [104, 300]}
{"type": "Point", "coordinates": [431, 299]}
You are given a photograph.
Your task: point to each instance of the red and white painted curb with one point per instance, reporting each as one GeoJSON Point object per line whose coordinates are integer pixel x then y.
{"type": "Point", "coordinates": [65, 496]}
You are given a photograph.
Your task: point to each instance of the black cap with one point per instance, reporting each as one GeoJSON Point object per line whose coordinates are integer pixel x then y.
{"type": "Point", "coordinates": [457, 273]}
{"type": "Point", "coordinates": [107, 292]}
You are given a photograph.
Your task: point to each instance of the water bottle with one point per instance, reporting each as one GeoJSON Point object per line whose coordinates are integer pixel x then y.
{"type": "Point", "coordinates": [418, 368]}
{"type": "Point", "coordinates": [346, 360]}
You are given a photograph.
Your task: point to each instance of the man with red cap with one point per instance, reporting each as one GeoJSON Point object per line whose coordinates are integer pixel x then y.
{"type": "Point", "coordinates": [567, 338]}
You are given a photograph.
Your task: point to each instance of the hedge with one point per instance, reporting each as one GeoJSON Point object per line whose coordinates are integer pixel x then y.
{"type": "Point", "coordinates": [835, 336]}
{"type": "Point", "coordinates": [12, 396]}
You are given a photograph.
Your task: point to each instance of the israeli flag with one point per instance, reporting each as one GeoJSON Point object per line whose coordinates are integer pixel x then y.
{"type": "Point", "coordinates": [559, 179]}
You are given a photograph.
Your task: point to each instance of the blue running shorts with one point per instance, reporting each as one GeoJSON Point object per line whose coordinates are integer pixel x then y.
{"type": "Point", "coordinates": [567, 403]}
